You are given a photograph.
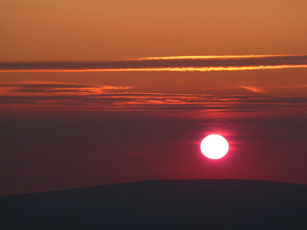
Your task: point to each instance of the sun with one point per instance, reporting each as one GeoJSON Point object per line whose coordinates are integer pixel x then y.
{"type": "Point", "coordinates": [214, 146]}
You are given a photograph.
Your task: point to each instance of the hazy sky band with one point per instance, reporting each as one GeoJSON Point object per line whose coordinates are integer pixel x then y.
{"type": "Point", "coordinates": [192, 63]}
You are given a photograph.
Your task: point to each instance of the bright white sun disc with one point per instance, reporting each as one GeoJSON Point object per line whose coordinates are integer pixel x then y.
{"type": "Point", "coordinates": [214, 146]}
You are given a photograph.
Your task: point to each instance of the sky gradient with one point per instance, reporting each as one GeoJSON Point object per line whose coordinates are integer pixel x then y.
{"type": "Point", "coordinates": [95, 92]}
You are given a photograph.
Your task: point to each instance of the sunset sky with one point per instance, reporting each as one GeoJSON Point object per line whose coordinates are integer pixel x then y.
{"type": "Point", "coordinates": [95, 92]}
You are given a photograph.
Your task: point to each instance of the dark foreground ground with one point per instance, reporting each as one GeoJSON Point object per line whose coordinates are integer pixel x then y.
{"type": "Point", "coordinates": [197, 204]}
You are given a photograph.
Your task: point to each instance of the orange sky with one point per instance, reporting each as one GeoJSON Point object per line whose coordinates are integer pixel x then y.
{"type": "Point", "coordinates": [93, 30]}
{"type": "Point", "coordinates": [35, 30]}
{"type": "Point", "coordinates": [70, 129]}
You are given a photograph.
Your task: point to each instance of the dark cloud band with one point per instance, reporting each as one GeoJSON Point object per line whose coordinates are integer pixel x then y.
{"type": "Point", "coordinates": [198, 63]}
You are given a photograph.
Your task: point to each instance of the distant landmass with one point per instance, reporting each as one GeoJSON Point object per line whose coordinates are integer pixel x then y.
{"type": "Point", "coordinates": [162, 204]}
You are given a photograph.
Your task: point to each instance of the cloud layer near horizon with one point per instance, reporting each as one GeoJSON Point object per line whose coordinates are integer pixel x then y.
{"type": "Point", "coordinates": [27, 96]}
{"type": "Point", "coordinates": [179, 63]}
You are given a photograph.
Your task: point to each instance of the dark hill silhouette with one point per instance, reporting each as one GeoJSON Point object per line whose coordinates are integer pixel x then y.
{"type": "Point", "coordinates": [166, 204]}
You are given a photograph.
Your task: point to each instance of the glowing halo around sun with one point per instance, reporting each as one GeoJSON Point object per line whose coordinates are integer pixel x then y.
{"type": "Point", "coordinates": [214, 146]}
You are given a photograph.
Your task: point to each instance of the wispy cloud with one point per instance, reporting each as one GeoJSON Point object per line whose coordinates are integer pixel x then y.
{"type": "Point", "coordinates": [58, 88]}
{"type": "Point", "coordinates": [273, 88]}
{"type": "Point", "coordinates": [69, 96]}
{"type": "Point", "coordinates": [179, 63]}
{"type": "Point", "coordinates": [254, 89]}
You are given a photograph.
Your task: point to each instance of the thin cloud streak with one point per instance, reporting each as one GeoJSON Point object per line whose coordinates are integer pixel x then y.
{"type": "Point", "coordinates": [57, 88]}
{"type": "Point", "coordinates": [180, 64]}
{"type": "Point", "coordinates": [217, 57]}
{"type": "Point", "coordinates": [188, 69]}
{"type": "Point", "coordinates": [254, 89]}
